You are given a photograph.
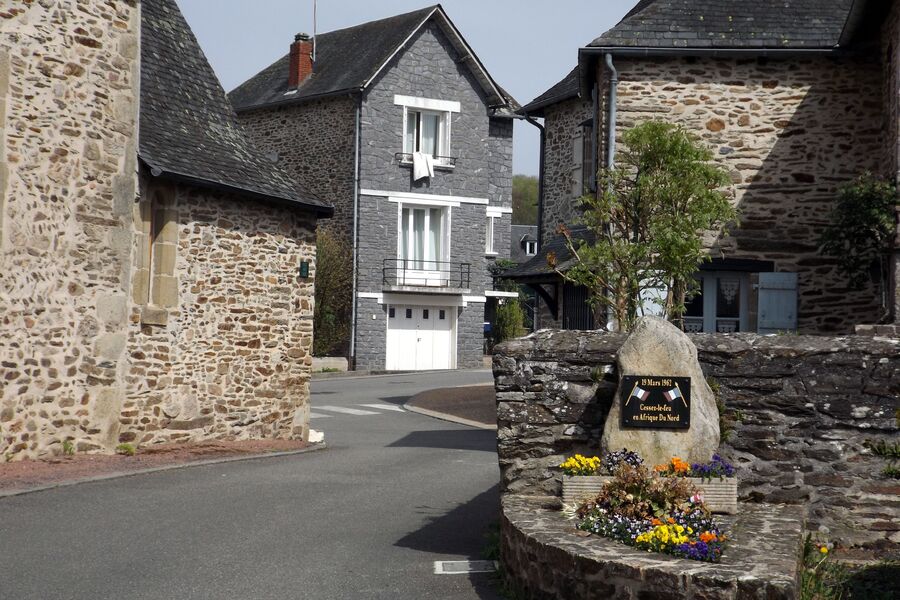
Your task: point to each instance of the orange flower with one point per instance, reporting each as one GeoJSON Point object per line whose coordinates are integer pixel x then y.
{"type": "Point", "coordinates": [671, 521]}
{"type": "Point", "coordinates": [656, 522]}
{"type": "Point", "coordinates": [661, 468]}
{"type": "Point", "coordinates": [679, 466]}
{"type": "Point", "coordinates": [708, 536]}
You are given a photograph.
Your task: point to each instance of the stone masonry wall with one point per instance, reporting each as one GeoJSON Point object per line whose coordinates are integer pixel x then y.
{"type": "Point", "coordinates": [804, 408]}
{"type": "Point", "coordinates": [562, 121]}
{"type": "Point", "coordinates": [789, 133]}
{"type": "Point", "coordinates": [231, 359]}
{"type": "Point", "coordinates": [483, 145]}
{"type": "Point", "coordinates": [68, 88]}
{"type": "Point", "coordinates": [315, 141]}
{"type": "Point", "coordinates": [378, 240]}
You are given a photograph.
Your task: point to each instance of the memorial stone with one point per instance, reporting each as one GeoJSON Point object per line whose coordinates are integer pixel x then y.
{"type": "Point", "coordinates": [663, 407]}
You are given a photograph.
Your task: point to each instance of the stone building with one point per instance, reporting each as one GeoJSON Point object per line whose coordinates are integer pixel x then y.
{"type": "Point", "coordinates": [349, 126]}
{"type": "Point", "coordinates": [794, 101]}
{"type": "Point", "coordinates": [150, 256]}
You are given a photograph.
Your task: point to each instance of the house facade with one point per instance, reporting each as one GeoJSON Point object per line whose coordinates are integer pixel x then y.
{"type": "Point", "coordinates": [398, 124]}
{"type": "Point", "coordinates": [793, 102]}
{"type": "Point", "coordinates": [149, 258]}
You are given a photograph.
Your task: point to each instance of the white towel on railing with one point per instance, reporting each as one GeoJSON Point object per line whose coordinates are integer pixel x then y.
{"type": "Point", "coordinates": [423, 165]}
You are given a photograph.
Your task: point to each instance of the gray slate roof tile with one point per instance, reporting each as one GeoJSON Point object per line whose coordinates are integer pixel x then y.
{"type": "Point", "coordinates": [346, 60]}
{"type": "Point", "coordinates": [187, 127]}
{"type": "Point", "coordinates": [564, 89]}
{"type": "Point", "coordinates": [793, 24]}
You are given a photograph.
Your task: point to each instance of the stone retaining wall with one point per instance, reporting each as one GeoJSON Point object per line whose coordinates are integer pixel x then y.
{"type": "Point", "coordinates": [803, 407]}
{"type": "Point", "coordinates": [543, 557]}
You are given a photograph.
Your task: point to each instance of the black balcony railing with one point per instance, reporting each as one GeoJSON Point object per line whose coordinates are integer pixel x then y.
{"type": "Point", "coordinates": [439, 161]}
{"type": "Point", "coordinates": [426, 273]}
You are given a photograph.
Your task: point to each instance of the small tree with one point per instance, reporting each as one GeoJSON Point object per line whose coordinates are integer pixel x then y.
{"type": "Point", "coordinates": [861, 229]}
{"type": "Point", "coordinates": [334, 295]}
{"type": "Point", "coordinates": [649, 222]}
{"type": "Point", "coordinates": [510, 321]}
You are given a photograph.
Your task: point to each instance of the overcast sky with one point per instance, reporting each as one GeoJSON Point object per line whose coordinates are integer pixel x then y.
{"type": "Point", "coordinates": [527, 45]}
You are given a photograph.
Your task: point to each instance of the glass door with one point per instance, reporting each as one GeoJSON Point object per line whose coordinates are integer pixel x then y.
{"type": "Point", "coordinates": [720, 306]}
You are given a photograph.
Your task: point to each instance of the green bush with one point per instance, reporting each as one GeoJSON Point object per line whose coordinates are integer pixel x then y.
{"type": "Point", "coordinates": [862, 225]}
{"type": "Point", "coordinates": [510, 321]}
{"type": "Point", "coordinates": [126, 449]}
{"type": "Point", "coordinates": [334, 295]}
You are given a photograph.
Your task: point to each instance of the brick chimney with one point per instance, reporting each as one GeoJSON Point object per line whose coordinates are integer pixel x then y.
{"type": "Point", "coordinates": [301, 60]}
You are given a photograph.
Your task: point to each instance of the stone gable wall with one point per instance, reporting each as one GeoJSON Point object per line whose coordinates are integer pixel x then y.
{"type": "Point", "coordinates": [805, 408]}
{"type": "Point", "coordinates": [562, 121]}
{"type": "Point", "coordinates": [789, 133]}
{"type": "Point", "coordinates": [232, 357]}
{"type": "Point", "coordinates": [223, 351]}
{"type": "Point", "coordinates": [314, 141]}
{"type": "Point", "coordinates": [68, 111]}
{"type": "Point", "coordinates": [428, 68]}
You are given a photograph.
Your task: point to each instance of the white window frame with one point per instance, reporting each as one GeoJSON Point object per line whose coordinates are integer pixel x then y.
{"type": "Point", "coordinates": [424, 277]}
{"type": "Point", "coordinates": [489, 237]}
{"type": "Point", "coordinates": [442, 108]}
{"type": "Point", "coordinates": [528, 245]}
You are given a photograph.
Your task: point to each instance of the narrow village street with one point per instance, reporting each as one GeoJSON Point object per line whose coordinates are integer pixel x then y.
{"type": "Point", "coordinates": [365, 518]}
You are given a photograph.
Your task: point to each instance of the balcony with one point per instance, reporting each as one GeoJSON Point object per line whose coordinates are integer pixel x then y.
{"type": "Point", "coordinates": [440, 162]}
{"type": "Point", "coordinates": [426, 276]}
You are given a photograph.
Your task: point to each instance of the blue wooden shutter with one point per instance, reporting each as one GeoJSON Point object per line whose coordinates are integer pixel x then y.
{"type": "Point", "coordinates": [777, 302]}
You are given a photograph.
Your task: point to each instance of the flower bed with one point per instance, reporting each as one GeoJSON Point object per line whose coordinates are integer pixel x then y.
{"type": "Point", "coordinates": [650, 510]}
{"type": "Point", "coordinates": [714, 481]}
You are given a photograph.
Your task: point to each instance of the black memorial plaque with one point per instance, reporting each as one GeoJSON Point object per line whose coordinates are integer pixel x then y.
{"type": "Point", "coordinates": [656, 402]}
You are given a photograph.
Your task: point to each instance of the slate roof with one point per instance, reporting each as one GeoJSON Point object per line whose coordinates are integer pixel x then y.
{"type": "Point", "coordinates": [788, 24]}
{"type": "Point", "coordinates": [566, 88]}
{"type": "Point", "coordinates": [538, 269]}
{"type": "Point", "coordinates": [188, 130]}
{"type": "Point", "coordinates": [347, 60]}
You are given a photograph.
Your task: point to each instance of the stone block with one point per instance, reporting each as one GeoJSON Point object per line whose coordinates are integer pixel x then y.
{"type": "Point", "coordinates": [656, 347]}
{"type": "Point", "coordinates": [163, 259]}
{"type": "Point", "coordinates": [164, 291]}
{"type": "Point", "coordinates": [151, 315]}
{"type": "Point", "coordinates": [112, 309]}
{"type": "Point", "coordinates": [111, 346]}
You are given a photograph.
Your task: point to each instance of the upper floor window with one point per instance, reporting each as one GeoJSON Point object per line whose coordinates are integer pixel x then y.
{"type": "Point", "coordinates": [530, 248]}
{"type": "Point", "coordinates": [426, 132]}
{"type": "Point", "coordinates": [423, 231]}
{"type": "Point", "coordinates": [427, 124]}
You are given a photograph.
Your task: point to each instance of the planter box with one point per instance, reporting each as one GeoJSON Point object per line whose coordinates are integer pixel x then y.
{"type": "Point", "coordinates": [719, 495]}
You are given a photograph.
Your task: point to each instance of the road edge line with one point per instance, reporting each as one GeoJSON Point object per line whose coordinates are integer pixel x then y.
{"type": "Point", "coordinates": [451, 418]}
{"type": "Point", "coordinates": [123, 474]}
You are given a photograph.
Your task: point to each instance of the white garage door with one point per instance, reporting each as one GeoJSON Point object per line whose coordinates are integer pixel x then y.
{"type": "Point", "coordinates": [420, 338]}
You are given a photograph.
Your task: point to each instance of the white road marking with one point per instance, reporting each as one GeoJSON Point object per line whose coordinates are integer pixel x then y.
{"type": "Point", "coordinates": [313, 415]}
{"type": "Point", "coordinates": [347, 411]}
{"type": "Point", "coordinates": [459, 567]}
{"type": "Point", "coordinates": [392, 407]}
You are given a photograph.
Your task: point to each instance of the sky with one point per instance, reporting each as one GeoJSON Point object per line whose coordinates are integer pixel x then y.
{"type": "Point", "coordinates": [526, 45]}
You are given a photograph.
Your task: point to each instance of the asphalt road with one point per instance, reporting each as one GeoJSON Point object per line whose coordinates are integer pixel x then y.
{"type": "Point", "coordinates": [366, 518]}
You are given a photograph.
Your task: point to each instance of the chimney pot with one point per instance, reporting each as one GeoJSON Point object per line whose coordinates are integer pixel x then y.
{"type": "Point", "coordinates": [301, 65]}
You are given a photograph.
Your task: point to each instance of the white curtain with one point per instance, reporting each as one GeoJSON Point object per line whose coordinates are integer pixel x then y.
{"type": "Point", "coordinates": [411, 131]}
{"type": "Point", "coordinates": [434, 234]}
{"type": "Point", "coordinates": [430, 134]}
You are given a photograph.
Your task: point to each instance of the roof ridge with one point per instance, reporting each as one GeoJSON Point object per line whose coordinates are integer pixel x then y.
{"type": "Point", "coordinates": [427, 9]}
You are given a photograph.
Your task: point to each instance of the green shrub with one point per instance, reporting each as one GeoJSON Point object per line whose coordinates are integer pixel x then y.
{"type": "Point", "coordinates": [68, 448]}
{"type": "Point", "coordinates": [510, 321]}
{"type": "Point", "coordinates": [334, 295]}
{"type": "Point", "coordinates": [126, 449]}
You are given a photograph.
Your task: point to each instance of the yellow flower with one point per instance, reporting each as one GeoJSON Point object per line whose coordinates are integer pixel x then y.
{"type": "Point", "coordinates": [824, 549]}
